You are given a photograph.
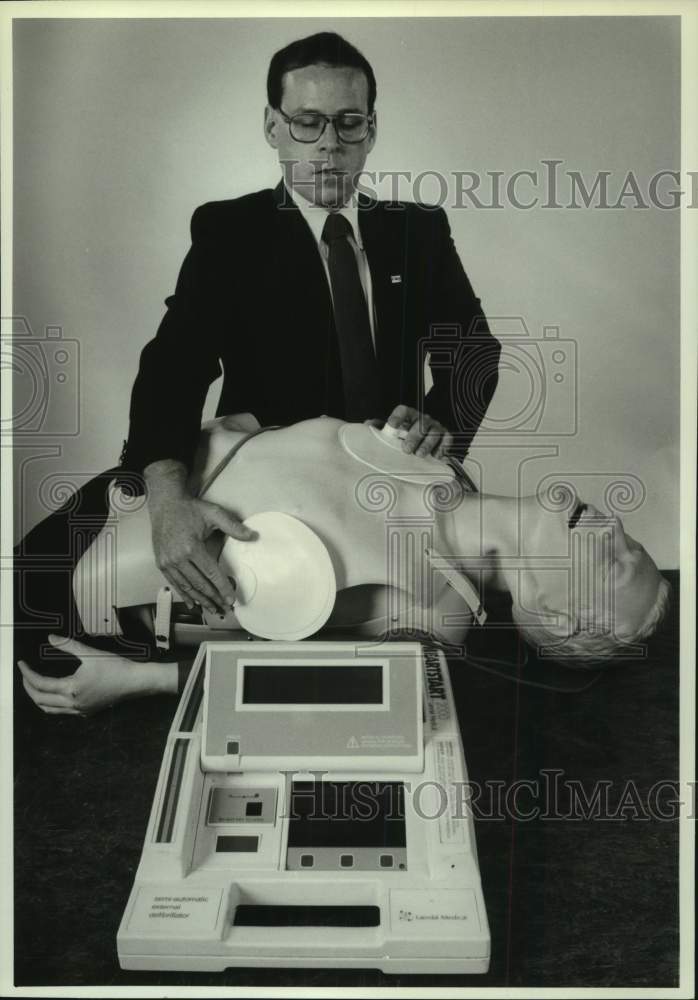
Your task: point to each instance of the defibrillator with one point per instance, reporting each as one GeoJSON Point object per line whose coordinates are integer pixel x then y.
{"type": "Point", "coordinates": [312, 810]}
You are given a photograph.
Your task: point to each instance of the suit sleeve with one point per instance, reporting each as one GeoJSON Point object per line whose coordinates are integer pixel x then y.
{"type": "Point", "coordinates": [176, 367]}
{"type": "Point", "coordinates": [466, 373]}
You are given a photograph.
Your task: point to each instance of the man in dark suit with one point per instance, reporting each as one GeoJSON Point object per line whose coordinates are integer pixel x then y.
{"type": "Point", "coordinates": [314, 301]}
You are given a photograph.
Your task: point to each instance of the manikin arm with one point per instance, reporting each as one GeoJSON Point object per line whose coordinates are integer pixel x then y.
{"type": "Point", "coordinates": [101, 680]}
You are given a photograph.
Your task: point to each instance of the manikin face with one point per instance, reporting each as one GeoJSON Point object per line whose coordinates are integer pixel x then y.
{"type": "Point", "coordinates": [323, 172]}
{"type": "Point", "coordinates": [630, 575]}
{"type": "Point", "coordinates": [604, 576]}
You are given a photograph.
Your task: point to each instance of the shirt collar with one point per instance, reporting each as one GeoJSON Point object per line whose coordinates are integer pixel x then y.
{"type": "Point", "coordinates": [315, 216]}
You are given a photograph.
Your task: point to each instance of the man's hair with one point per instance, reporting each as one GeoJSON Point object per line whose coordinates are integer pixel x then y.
{"type": "Point", "coordinates": [591, 645]}
{"type": "Point", "coordinates": [324, 49]}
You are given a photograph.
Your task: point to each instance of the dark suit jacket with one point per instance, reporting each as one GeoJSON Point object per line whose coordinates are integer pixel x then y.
{"type": "Point", "coordinates": [252, 297]}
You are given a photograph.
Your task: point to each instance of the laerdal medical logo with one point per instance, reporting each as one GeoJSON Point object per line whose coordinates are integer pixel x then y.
{"type": "Point", "coordinates": [408, 916]}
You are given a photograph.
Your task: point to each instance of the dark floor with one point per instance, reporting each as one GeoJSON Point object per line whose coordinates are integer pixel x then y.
{"type": "Point", "coordinates": [572, 901]}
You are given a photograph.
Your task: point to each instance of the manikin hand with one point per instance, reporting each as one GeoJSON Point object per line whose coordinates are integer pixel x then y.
{"type": "Point", "coordinates": [101, 680]}
{"type": "Point", "coordinates": [425, 435]}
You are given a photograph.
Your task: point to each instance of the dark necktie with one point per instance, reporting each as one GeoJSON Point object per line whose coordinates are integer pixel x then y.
{"type": "Point", "coordinates": [362, 397]}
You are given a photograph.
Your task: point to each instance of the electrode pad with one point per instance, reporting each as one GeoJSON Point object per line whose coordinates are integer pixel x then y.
{"type": "Point", "coordinates": [381, 450]}
{"type": "Point", "coordinates": [286, 585]}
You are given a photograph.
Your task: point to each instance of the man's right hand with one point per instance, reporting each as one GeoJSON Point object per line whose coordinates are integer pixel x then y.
{"type": "Point", "coordinates": [180, 526]}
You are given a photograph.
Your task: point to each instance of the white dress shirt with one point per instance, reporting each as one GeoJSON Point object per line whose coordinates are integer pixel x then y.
{"type": "Point", "coordinates": [315, 216]}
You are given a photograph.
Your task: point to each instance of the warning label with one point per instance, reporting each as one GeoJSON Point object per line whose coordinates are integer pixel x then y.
{"type": "Point", "coordinates": [452, 820]}
{"type": "Point", "coordinates": [380, 741]}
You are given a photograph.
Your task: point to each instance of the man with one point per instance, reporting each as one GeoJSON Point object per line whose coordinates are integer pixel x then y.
{"type": "Point", "coordinates": [313, 301]}
{"type": "Point", "coordinates": [369, 505]}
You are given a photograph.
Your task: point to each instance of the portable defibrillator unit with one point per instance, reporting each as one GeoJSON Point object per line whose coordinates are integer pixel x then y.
{"type": "Point", "coordinates": [311, 811]}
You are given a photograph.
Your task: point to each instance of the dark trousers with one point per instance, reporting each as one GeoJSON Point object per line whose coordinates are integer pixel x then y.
{"type": "Point", "coordinates": [43, 565]}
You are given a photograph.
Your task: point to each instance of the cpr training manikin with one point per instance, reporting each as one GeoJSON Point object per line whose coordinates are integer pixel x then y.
{"type": "Point", "coordinates": [356, 536]}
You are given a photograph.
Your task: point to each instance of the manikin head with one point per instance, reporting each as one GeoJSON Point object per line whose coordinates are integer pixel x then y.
{"type": "Point", "coordinates": [608, 597]}
{"type": "Point", "coordinates": [313, 77]}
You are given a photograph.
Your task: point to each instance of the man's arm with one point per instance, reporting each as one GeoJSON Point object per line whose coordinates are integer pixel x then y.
{"type": "Point", "coordinates": [463, 390]}
{"type": "Point", "coordinates": [176, 370]}
{"type": "Point", "coordinates": [178, 365]}
{"type": "Point", "coordinates": [180, 525]}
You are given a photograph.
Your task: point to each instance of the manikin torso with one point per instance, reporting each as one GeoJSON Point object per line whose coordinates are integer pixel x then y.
{"type": "Point", "coordinates": [375, 524]}
{"type": "Point", "coordinates": [301, 471]}
{"type": "Point", "coordinates": [375, 509]}
{"type": "Point", "coordinates": [378, 509]}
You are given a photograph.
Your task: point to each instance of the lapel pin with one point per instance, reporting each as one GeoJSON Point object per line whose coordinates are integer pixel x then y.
{"type": "Point", "coordinates": [396, 279]}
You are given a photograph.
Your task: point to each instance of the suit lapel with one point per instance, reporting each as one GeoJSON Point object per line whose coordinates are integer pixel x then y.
{"type": "Point", "coordinates": [312, 353]}
{"type": "Point", "coordinates": [386, 254]}
{"type": "Point", "coordinates": [300, 264]}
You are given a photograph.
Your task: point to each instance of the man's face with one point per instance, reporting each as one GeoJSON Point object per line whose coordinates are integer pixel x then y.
{"type": "Point", "coordinates": [323, 172]}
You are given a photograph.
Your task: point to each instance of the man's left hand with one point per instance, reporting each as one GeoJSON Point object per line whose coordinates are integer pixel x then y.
{"type": "Point", "coordinates": [424, 435]}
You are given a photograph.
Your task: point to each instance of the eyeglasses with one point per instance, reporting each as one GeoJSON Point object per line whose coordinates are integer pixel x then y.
{"type": "Point", "coordinates": [309, 126]}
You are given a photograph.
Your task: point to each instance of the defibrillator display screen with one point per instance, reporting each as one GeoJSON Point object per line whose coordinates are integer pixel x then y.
{"type": "Point", "coordinates": [313, 684]}
{"type": "Point", "coordinates": [347, 814]}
